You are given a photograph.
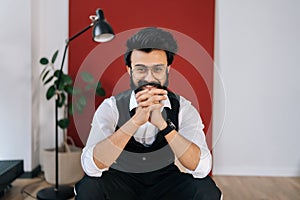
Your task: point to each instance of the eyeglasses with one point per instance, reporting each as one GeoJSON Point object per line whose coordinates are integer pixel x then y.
{"type": "Point", "coordinates": [139, 72]}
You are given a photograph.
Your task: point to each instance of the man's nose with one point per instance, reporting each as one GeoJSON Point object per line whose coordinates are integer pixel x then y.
{"type": "Point", "coordinates": [149, 77]}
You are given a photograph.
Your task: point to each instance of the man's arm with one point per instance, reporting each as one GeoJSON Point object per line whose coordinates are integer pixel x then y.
{"type": "Point", "coordinates": [104, 144]}
{"type": "Point", "coordinates": [191, 128]}
{"type": "Point", "coordinates": [108, 150]}
{"type": "Point", "coordinates": [103, 141]}
{"type": "Point", "coordinates": [187, 152]}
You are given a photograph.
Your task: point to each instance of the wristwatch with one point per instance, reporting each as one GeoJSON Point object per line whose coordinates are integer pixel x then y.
{"type": "Point", "coordinates": [170, 127]}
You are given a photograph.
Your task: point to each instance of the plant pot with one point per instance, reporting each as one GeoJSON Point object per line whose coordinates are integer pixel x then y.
{"type": "Point", "coordinates": [69, 165]}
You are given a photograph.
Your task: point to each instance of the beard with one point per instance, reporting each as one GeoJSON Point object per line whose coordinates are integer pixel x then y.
{"type": "Point", "coordinates": [142, 83]}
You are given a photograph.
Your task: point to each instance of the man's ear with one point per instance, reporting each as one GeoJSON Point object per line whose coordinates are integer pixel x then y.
{"type": "Point", "coordinates": [128, 70]}
{"type": "Point", "coordinates": [168, 68]}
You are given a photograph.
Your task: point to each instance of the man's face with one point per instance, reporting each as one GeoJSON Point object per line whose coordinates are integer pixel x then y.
{"type": "Point", "coordinates": [148, 67]}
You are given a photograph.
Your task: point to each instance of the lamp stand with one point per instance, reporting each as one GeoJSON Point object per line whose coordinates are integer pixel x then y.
{"type": "Point", "coordinates": [102, 33]}
{"type": "Point", "coordinates": [51, 193]}
{"type": "Point", "coordinates": [59, 192]}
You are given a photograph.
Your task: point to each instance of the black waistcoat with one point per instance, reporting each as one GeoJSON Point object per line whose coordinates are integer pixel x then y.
{"type": "Point", "coordinates": [137, 158]}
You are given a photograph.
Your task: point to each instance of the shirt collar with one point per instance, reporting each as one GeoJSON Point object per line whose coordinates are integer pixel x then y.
{"type": "Point", "coordinates": [133, 103]}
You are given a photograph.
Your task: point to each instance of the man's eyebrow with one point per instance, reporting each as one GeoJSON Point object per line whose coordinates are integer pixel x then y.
{"type": "Point", "coordinates": [156, 65]}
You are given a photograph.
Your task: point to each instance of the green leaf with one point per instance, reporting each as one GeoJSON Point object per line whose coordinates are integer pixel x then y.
{"type": "Point", "coordinates": [82, 100]}
{"type": "Point", "coordinates": [56, 73]}
{"type": "Point", "coordinates": [44, 61]}
{"type": "Point", "coordinates": [50, 92]}
{"type": "Point", "coordinates": [61, 100]}
{"type": "Point", "coordinates": [45, 75]}
{"type": "Point", "coordinates": [87, 77]}
{"type": "Point", "coordinates": [61, 86]}
{"type": "Point", "coordinates": [69, 89]}
{"type": "Point", "coordinates": [48, 80]}
{"type": "Point", "coordinates": [66, 79]}
{"type": "Point", "coordinates": [63, 123]}
{"type": "Point", "coordinates": [79, 107]}
{"type": "Point", "coordinates": [59, 103]}
{"type": "Point", "coordinates": [54, 57]}
{"type": "Point", "coordinates": [99, 90]}
{"type": "Point", "coordinates": [76, 91]}
{"type": "Point", "coordinates": [43, 71]}
{"type": "Point", "coordinates": [71, 109]}
{"type": "Point", "coordinates": [98, 84]}
{"type": "Point", "coordinates": [89, 87]}
{"type": "Point", "coordinates": [80, 104]}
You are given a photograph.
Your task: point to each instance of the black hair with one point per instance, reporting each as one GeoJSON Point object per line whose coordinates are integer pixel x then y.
{"type": "Point", "coordinates": [149, 39]}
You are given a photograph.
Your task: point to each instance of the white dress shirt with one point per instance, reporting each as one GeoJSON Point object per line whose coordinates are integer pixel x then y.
{"type": "Point", "coordinates": [105, 121]}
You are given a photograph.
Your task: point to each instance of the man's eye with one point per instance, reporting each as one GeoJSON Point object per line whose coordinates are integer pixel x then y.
{"type": "Point", "coordinates": [158, 69]}
{"type": "Point", "coordinates": [141, 70]}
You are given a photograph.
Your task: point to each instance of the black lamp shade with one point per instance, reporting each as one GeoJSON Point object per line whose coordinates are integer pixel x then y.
{"type": "Point", "coordinates": [102, 31]}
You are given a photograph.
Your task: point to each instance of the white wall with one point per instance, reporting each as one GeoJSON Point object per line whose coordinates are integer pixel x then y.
{"type": "Point", "coordinates": [51, 29]}
{"type": "Point", "coordinates": [30, 29]}
{"type": "Point", "coordinates": [15, 82]}
{"type": "Point", "coordinates": [257, 54]}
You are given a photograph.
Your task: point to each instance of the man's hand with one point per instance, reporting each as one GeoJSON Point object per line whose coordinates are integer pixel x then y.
{"type": "Point", "coordinates": [157, 119]}
{"type": "Point", "coordinates": [149, 106]}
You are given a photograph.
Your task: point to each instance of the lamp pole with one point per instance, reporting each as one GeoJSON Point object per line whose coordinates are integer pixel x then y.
{"type": "Point", "coordinates": [102, 32]}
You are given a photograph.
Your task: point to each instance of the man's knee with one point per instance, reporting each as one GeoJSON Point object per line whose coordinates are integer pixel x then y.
{"type": "Point", "coordinates": [212, 194]}
{"type": "Point", "coordinates": [89, 188]}
{"type": "Point", "coordinates": [208, 190]}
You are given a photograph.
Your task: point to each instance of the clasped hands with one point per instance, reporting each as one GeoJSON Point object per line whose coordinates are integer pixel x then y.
{"type": "Point", "coordinates": [149, 107]}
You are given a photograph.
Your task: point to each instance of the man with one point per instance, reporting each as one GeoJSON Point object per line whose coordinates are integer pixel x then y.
{"type": "Point", "coordinates": [137, 135]}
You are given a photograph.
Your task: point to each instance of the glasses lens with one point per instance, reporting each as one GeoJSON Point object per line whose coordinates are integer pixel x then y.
{"type": "Point", "coordinates": [140, 72]}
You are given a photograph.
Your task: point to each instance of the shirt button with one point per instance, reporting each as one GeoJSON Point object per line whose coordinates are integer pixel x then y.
{"type": "Point", "coordinates": [143, 158]}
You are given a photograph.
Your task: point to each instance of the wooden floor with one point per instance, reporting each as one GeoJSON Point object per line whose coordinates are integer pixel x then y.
{"type": "Point", "coordinates": [259, 188]}
{"type": "Point", "coordinates": [233, 188]}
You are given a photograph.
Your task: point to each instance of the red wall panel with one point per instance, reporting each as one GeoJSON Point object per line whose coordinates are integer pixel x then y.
{"type": "Point", "coordinates": [193, 68]}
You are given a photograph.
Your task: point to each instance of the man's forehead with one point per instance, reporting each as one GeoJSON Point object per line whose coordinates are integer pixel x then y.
{"type": "Point", "coordinates": [153, 57]}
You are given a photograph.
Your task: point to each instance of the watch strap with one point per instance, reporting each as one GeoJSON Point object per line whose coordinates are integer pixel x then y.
{"type": "Point", "coordinates": [170, 127]}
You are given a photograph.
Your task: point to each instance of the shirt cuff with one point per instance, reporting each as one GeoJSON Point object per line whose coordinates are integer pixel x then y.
{"type": "Point", "coordinates": [204, 166]}
{"type": "Point", "coordinates": [88, 164]}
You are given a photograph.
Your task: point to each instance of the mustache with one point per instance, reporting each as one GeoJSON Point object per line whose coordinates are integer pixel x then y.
{"type": "Point", "coordinates": [143, 83]}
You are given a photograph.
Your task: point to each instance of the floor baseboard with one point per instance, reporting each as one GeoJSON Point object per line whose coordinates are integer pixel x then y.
{"type": "Point", "coordinates": [32, 174]}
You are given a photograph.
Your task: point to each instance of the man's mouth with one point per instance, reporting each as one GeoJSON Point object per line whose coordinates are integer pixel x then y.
{"type": "Point", "coordinates": [148, 85]}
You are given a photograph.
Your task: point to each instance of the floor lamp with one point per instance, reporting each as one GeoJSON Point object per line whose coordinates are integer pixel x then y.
{"type": "Point", "coordinates": [102, 32]}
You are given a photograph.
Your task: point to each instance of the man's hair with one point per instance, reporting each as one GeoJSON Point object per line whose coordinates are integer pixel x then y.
{"type": "Point", "coordinates": [149, 39]}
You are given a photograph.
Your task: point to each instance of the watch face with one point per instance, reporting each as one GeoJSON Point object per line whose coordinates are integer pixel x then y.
{"type": "Point", "coordinates": [171, 124]}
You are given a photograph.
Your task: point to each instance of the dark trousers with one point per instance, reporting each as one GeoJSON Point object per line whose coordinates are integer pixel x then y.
{"type": "Point", "coordinates": [165, 184]}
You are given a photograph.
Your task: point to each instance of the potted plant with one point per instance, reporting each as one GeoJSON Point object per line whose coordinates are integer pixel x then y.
{"type": "Point", "coordinates": [69, 154]}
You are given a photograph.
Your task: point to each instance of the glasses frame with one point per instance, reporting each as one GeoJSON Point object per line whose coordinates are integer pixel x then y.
{"type": "Point", "coordinates": [149, 68]}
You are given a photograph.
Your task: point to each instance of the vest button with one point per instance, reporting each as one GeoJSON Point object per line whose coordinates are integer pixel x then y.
{"type": "Point", "coordinates": [143, 158]}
